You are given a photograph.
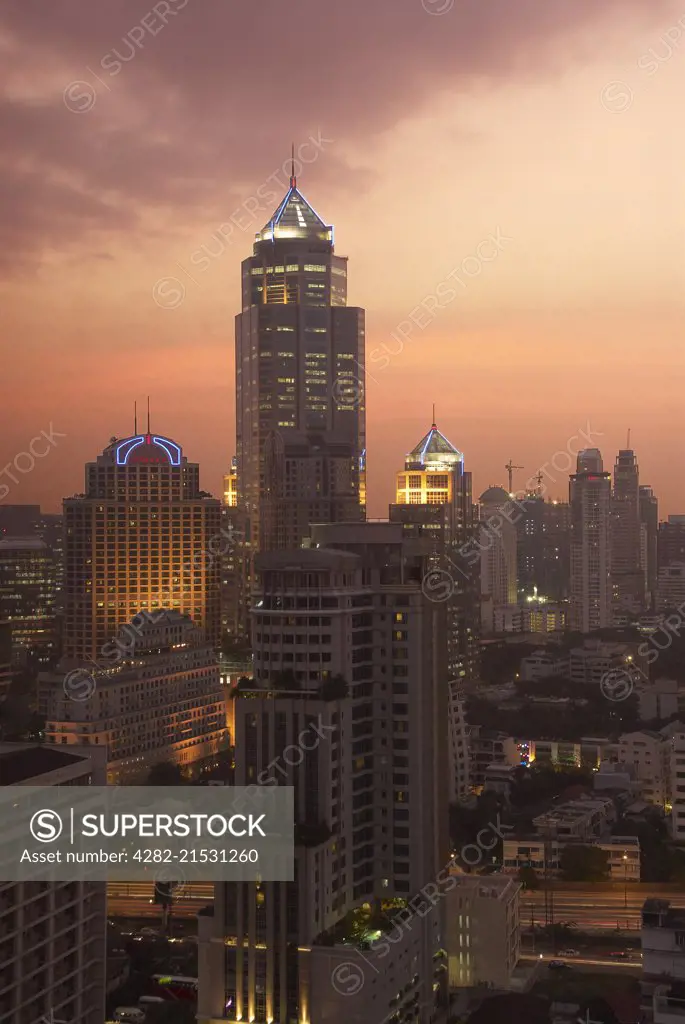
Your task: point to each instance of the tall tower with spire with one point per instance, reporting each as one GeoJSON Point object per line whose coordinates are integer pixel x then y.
{"type": "Point", "coordinates": [300, 414]}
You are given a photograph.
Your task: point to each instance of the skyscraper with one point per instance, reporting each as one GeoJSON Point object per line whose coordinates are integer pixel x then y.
{"type": "Point", "coordinates": [141, 537]}
{"type": "Point", "coordinates": [348, 706]}
{"type": "Point", "coordinates": [627, 572]}
{"type": "Point", "coordinates": [498, 566]}
{"type": "Point", "coordinates": [28, 599]}
{"type": "Point", "coordinates": [300, 413]}
{"type": "Point", "coordinates": [649, 520]}
{"type": "Point", "coordinates": [435, 505]}
{"type": "Point", "coordinates": [590, 501]}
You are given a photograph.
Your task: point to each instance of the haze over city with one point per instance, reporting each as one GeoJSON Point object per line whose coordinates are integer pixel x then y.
{"type": "Point", "coordinates": [552, 124]}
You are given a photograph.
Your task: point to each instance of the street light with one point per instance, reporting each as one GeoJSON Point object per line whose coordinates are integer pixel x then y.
{"type": "Point", "coordinates": [625, 881]}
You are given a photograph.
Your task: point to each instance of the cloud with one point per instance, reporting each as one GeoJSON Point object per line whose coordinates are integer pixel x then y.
{"type": "Point", "coordinates": [194, 102]}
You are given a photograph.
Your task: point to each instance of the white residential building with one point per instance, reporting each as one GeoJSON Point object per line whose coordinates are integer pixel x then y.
{"type": "Point", "coordinates": [483, 931]}
{"type": "Point", "coordinates": [543, 665]}
{"type": "Point", "coordinates": [649, 754]}
{"type": "Point", "coordinates": [52, 934]}
{"type": "Point", "coordinates": [530, 851]}
{"type": "Point", "coordinates": [678, 787]}
{"type": "Point", "coordinates": [157, 698]}
{"type": "Point", "coordinates": [589, 664]}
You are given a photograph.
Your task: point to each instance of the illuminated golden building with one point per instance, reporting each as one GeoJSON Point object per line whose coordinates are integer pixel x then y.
{"type": "Point", "coordinates": [434, 503]}
{"type": "Point", "coordinates": [143, 536]}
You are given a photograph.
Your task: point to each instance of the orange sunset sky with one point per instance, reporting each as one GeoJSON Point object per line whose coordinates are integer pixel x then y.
{"type": "Point", "coordinates": [132, 131]}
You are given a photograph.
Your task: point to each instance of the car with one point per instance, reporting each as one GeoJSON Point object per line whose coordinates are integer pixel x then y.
{"type": "Point", "coordinates": [569, 952]}
{"type": "Point", "coordinates": [558, 965]}
{"type": "Point", "coordinates": [129, 1015]}
{"type": "Point", "coordinates": [149, 932]}
{"type": "Point", "coordinates": [620, 954]}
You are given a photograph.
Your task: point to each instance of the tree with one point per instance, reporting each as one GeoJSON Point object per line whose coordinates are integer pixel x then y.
{"type": "Point", "coordinates": [528, 877]}
{"type": "Point", "coordinates": [584, 863]}
{"type": "Point", "coordinates": [165, 773]}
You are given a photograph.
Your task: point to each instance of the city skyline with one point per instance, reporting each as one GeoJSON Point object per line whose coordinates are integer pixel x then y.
{"type": "Point", "coordinates": [436, 166]}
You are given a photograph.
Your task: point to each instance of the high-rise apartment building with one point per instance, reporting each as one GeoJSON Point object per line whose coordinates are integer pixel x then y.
{"type": "Point", "coordinates": [29, 576]}
{"type": "Point", "coordinates": [434, 503]}
{"type": "Point", "coordinates": [142, 537]}
{"type": "Point", "coordinates": [498, 558]}
{"type": "Point", "coordinates": [590, 501]}
{"type": "Point", "coordinates": [671, 542]}
{"type": "Point", "coordinates": [349, 707]}
{"type": "Point", "coordinates": [542, 550]}
{"type": "Point", "coordinates": [627, 553]}
{"type": "Point", "coordinates": [649, 521]}
{"type": "Point", "coordinates": [300, 408]}
{"type": "Point", "coordinates": [52, 934]}
{"type": "Point", "coordinates": [155, 696]}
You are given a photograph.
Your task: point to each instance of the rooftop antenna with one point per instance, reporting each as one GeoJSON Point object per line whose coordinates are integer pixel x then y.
{"type": "Point", "coordinates": [135, 417]}
{"type": "Point", "coordinates": [628, 444]}
{"type": "Point", "coordinates": [148, 414]}
{"type": "Point", "coordinates": [434, 427]}
{"type": "Point", "coordinates": [293, 179]}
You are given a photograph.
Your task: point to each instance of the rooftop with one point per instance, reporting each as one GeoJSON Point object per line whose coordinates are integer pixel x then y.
{"type": "Point", "coordinates": [434, 448]}
{"type": "Point", "coordinates": [27, 762]}
{"type": "Point", "coordinates": [295, 219]}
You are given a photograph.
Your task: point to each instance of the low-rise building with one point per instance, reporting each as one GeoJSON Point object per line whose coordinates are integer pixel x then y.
{"type": "Point", "coordinates": [489, 747]}
{"type": "Point", "coordinates": [499, 778]}
{"type": "Point", "coordinates": [589, 752]}
{"type": "Point", "coordinates": [543, 664]}
{"type": "Point", "coordinates": [544, 854]}
{"type": "Point", "coordinates": [648, 753]}
{"type": "Point", "coordinates": [612, 777]}
{"type": "Point", "coordinates": [591, 663]}
{"type": "Point", "coordinates": [585, 818]}
{"type": "Point", "coordinates": [156, 697]}
{"type": "Point", "coordinates": [483, 931]}
{"type": "Point", "coordinates": [663, 699]}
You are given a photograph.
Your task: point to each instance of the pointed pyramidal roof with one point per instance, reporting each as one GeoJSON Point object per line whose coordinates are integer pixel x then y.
{"type": "Point", "coordinates": [434, 448]}
{"type": "Point", "coordinates": [295, 218]}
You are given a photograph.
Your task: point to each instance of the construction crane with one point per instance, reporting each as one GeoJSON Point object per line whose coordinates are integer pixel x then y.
{"type": "Point", "coordinates": [510, 467]}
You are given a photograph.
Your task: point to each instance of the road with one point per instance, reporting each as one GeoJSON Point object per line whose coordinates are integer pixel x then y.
{"type": "Point", "coordinates": [135, 899]}
{"type": "Point", "coordinates": [591, 907]}
{"type": "Point", "coordinates": [588, 908]}
{"type": "Point", "coordinates": [591, 964]}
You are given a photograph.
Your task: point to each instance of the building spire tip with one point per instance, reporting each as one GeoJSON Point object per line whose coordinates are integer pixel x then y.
{"type": "Point", "coordinates": [293, 178]}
